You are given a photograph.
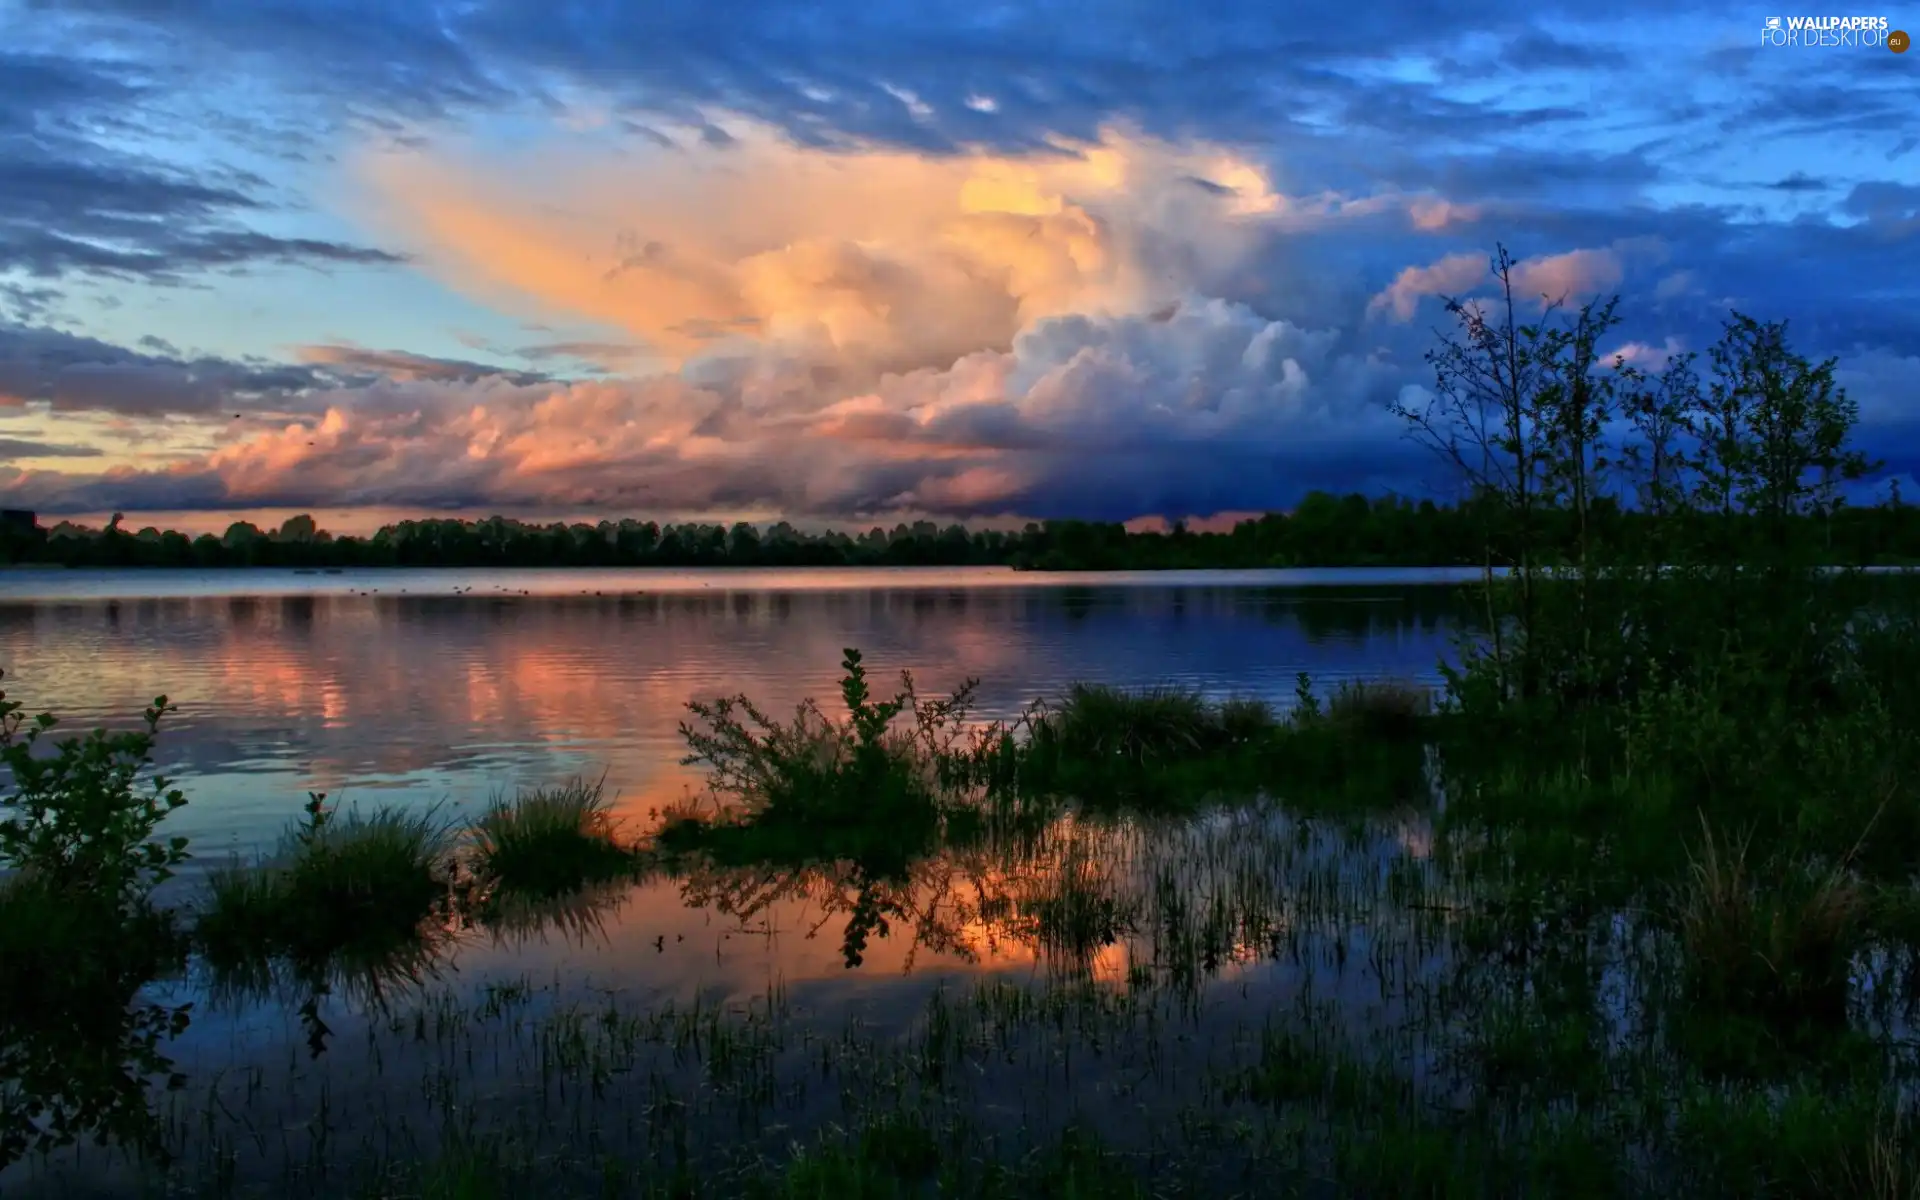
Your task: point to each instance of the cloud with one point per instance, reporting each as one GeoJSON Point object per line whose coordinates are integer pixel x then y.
{"type": "Point", "coordinates": [1555, 277]}
{"type": "Point", "coordinates": [886, 256]}
{"type": "Point", "coordinates": [1892, 206]}
{"type": "Point", "coordinates": [1575, 273]}
{"type": "Point", "coordinates": [24, 302]}
{"type": "Point", "coordinates": [875, 259]}
{"type": "Point", "coordinates": [404, 365]}
{"type": "Point", "coordinates": [1645, 357]}
{"type": "Point", "coordinates": [12, 448]}
{"type": "Point", "coordinates": [613, 355]}
{"type": "Point", "coordinates": [1206, 407]}
{"type": "Point", "coordinates": [1800, 181]}
{"type": "Point", "coordinates": [1453, 275]}
{"type": "Point", "coordinates": [1678, 284]}
{"type": "Point", "coordinates": [75, 199]}
{"type": "Point", "coordinates": [1116, 328]}
{"type": "Point", "coordinates": [74, 373]}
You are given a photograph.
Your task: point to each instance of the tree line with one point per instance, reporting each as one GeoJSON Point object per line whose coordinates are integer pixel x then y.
{"type": "Point", "coordinates": [1324, 530]}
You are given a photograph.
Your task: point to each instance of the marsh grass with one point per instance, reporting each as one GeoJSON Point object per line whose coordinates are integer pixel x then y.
{"type": "Point", "coordinates": [889, 1156]}
{"type": "Point", "coordinates": [1386, 710]}
{"type": "Point", "coordinates": [360, 890]}
{"type": "Point", "coordinates": [549, 842]}
{"type": "Point", "coordinates": [1775, 946]}
{"type": "Point", "coordinates": [1364, 746]}
{"type": "Point", "coordinates": [579, 916]}
{"type": "Point", "coordinates": [1099, 723]}
{"type": "Point", "coordinates": [1797, 1140]}
{"type": "Point", "coordinates": [1364, 948]}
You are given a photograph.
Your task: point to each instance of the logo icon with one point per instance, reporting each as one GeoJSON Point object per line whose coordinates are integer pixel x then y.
{"type": "Point", "coordinates": [1773, 23]}
{"type": "Point", "coordinates": [1898, 41]}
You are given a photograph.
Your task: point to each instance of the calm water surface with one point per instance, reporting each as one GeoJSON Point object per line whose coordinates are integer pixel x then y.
{"type": "Point", "coordinates": [448, 687]}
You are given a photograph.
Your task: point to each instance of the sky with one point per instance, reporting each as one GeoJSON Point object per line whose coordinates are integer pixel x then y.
{"type": "Point", "coordinates": [738, 259]}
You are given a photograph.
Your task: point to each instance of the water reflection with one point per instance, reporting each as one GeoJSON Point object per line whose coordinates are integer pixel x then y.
{"type": "Point", "coordinates": [412, 699]}
{"type": "Point", "coordinates": [457, 696]}
{"type": "Point", "coordinates": [1243, 906]}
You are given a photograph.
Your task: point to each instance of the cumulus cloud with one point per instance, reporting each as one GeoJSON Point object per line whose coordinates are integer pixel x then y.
{"type": "Point", "coordinates": [836, 334]}
{"type": "Point", "coordinates": [915, 256]}
{"type": "Point", "coordinates": [1565, 276]}
{"type": "Point", "coordinates": [1644, 356]}
{"type": "Point", "coordinates": [1453, 275]}
{"type": "Point", "coordinates": [877, 260]}
{"type": "Point", "coordinates": [1201, 408]}
{"type": "Point", "coordinates": [1115, 328]}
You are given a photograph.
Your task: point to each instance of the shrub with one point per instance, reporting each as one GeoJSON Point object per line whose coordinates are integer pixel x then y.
{"type": "Point", "coordinates": [835, 770]}
{"type": "Point", "coordinates": [80, 936]}
{"type": "Point", "coordinates": [79, 818]}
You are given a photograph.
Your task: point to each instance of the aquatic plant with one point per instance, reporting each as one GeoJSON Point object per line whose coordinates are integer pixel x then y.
{"type": "Point", "coordinates": [550, 841]}
{"type": "Point", "coordinates": [1779, 952]}
{"type": "Point", "coordinates": [1380, 709]}
{"type": "Point", "coordinates": [354, 889]}
{"type": "Point", "coordinates": [81, 818]}
{"type": "Point", "coordinates": [1097, 722]}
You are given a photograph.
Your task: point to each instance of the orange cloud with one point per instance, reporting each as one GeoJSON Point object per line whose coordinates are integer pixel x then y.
{"type": "Point", "coordinates": [875, 256]}
{"type": "Point", "coordinates": [1454, 273]}
{"type": "Point", "coordinates": [838, 333]}
{"type": "Point", "coordinates": [1554, 277]}
{"type": "Point", "coordinates": [1575, 273]}
{"type": "Point", "coordinates": [1431, 214]}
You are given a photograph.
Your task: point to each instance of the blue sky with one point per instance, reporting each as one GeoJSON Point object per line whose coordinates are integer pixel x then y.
{"type": "Point", "coordinates": [841, 260]}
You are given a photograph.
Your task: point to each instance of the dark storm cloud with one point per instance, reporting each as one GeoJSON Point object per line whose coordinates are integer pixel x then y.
{"type": "Point", "coordinates": [403, 56]}
{"type": "Point", "coordinates": [939, 77]}
{"type": "Point", "coordinates": [1883, 200]}
{"type": "Point", "coordinates": [26, 302]}
{"type": "Point", "coordinates": [1505, 173]}
{"type": "Point", "coordinates": [11, 448]}
{"type": "Point", "coordinates": [74, 373]}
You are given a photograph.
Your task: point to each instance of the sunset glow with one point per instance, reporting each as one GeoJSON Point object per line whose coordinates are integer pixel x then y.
{"type": "Point", "coordinates": [498, 266]}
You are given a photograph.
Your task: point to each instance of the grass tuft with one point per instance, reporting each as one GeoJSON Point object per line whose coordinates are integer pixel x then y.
{"type": "Point", "coordinates": [349, 889]}
{"type": "Point", "coordinates": [550, 842]}
{"type": "Point", "coordinates": [1781, 952]}
{"type": "Point", "coordinates": [1382, 710]}
{"type": "Point", "coordinates": [1157, 724]}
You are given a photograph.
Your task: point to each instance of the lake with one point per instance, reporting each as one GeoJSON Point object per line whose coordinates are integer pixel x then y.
{"type": "Point", "coordinates": [447, 688]}
{"type": "Point", "coordinates": [450, 685]}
